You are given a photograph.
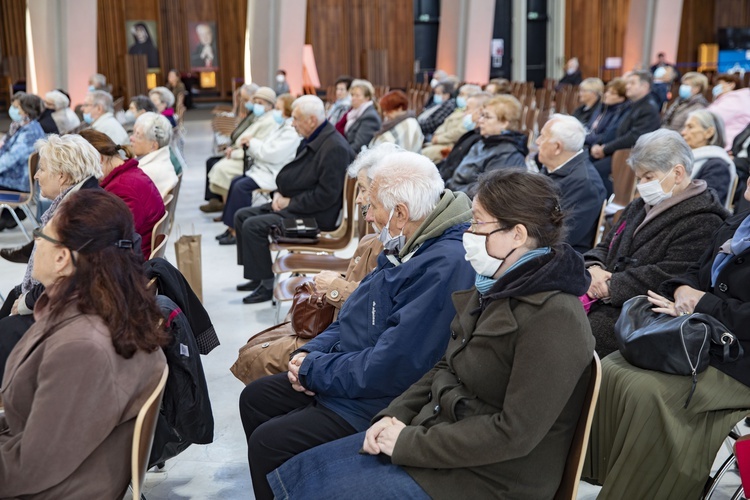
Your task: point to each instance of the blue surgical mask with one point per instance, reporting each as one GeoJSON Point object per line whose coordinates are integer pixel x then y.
{"type": "Point", "coordinates": [660, 72]}
{"type": "Point", "coordinates": [258, 109]}
{"type": "Point", "coordinates": [686, 91]}
{"type": "Point", "coordinates": [392, 244]}
{"type": "Point", "coordinates": [15, 114]}
{"type": "Point", "coordinates": [461, 102]}
{"type": "Point", "coordinates": [91, 88]}
{"type": "Point", "coordinates": [249, 105]}
{"type": "Point", "coordinates": [437, 99]}
{"type": "Point", "coordinates": [88, 118]}
{"type": "Point", "coordinates": [277, 116]}
{"type": "Point", "coordinates": [717, 90]}
{"type": "Point", "coordinates": [468, 122]}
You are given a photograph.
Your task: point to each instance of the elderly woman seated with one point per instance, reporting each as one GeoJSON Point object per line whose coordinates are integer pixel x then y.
{"type": "Point", "coordinates": [658, 236]}
{"type": "Point", "coordinates": [704, 133]}
{"type": "Point", "coordinates": [400, 126]}
{"type": "Point", "coordinates": [690, 99]}
{"type": "Point", "coordinates": [360, 124]}
{"type": "Point", "coordinates": [75, 383]}
{"type": "Point", "coordinates": [496, 415]}
{"type": "Point", "coordinates": [150, 143]}
{"type": "Point", "coordinates": [638, 408]}
{"type": "Point", "coordinates": [454, 126]}
{"type": "Point", "coordinates": [602, 127]}
{"type": "Point", "coordinates": [67, 164]}
{"type": "Point", "coordinates": [502, 144]}
{"type": "Point", "coordinates": [589, 95]}
{"type": "Point", "coordinates": [64, 117]}
{"type": "Point", "coordinates": [163, 100]}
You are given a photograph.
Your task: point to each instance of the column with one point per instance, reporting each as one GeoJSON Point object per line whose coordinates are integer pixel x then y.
{"type": "Point", "coordinates": [464, 38]}
{"type": "Point", "coordinates": [653, 27]}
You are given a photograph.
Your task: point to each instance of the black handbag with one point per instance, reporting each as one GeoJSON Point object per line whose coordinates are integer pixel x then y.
{"type": "Point", "coordinates": [293, 230]}
{"type": "Point", "coordinates": [679, 345]}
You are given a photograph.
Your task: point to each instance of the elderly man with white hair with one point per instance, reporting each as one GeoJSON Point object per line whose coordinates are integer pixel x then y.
{"type": "Point", "coordinates": [64, 117]}
{"type": "Point", "coordinates": [582, 191]}
{"type": "Point", "coordinates": [150, 143]}
{"type": "Point", "coordinates": [392, 330]}
{"type": "Point", "coordinates": [309, 186]}
{"type": "Point", "coordinates": [98, 112]}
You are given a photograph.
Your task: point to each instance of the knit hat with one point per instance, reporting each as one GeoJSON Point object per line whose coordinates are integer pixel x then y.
{"type": "Point", "coordinates": [267, 94]}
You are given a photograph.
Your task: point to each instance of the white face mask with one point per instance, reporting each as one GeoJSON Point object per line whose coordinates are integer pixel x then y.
{"type": "Point", "coordinates": [652, 192]}
{"type": "Point", "coordinates": [476, 253]}
{"type": "Point", "coordinates": [434, 83]}
{"type": "Point", "coordinates": [280, 78]}
{"type": "Point", "coordinates": [392, 244]}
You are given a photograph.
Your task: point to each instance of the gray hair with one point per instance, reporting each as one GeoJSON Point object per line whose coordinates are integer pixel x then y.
{"type": "Point", "coordinates": [594, 85]}
{"type": "Point", "coordinates": [660, 151]}
{"type": "Point", "coordinates": [470, 89]}
{"type": "Point", "coordinates": [568, 131]}
{"type": "Point", "coordinates": [408, 178]}
{"type": "Point", "coordinates": [365, 85]}
{"type": "Point", "coordinates": [70, 155]}
{"type": "Point", "coordinates": [369, 157]}
{"type": "Point", "coordinates": [481, 97]}
{"type": "Point", "coordinates": [98, 80]}
{"type": "Point", "coordinates": [155, 127]}
{"type": "Point", "coordinates": [165, 95]}
{"type": "Point", "coordinates": [311, 105]}
{"type": "Point", "coordinates": [250, 88]}
{"type": "Point", "coordinates": [58, 99]}
{"type": "Point", "coordinates": [707, 119]}
{"type": "Point", "coordinates": [103, 99]}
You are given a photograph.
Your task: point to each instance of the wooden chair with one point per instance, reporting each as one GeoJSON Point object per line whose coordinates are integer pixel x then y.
{"type": "Point", "coordinates": [600, 226]}
{"type": "Point", "coordinates": [730, 196]}
{"type": "Point", "coordinates": [159, 229]}
{"type": "Point", "coordinates": [568, 488]}
{"type": "Point", "coordinates": [143, 435]}
{"type": "Point", "coordinates": [11, 200]}
{"type": "Point", "coordinates": [170, 203]}
{"type": "Point", "coordinates": [623, 183]}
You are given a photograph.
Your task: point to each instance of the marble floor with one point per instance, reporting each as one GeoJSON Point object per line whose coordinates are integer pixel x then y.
{"type": "Point", "coordinates": [218, 470]}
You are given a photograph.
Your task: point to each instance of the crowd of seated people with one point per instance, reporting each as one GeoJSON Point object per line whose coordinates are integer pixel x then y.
{"type": "Point", "coordinates": [457, 211]}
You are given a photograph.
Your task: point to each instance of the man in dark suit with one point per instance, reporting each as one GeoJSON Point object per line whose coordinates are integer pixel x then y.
{"type": "Point", "coordinates": [582, 192]}
{"type": "Point", "coordinates": [642, 118]}
{"type": "Point", "coordinates": [311, 185]}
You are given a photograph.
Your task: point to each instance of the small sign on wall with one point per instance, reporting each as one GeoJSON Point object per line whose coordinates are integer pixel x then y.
{"type": "Point", "coordinates": [498, 51]}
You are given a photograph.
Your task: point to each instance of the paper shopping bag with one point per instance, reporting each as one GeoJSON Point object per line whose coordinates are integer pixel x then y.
{"type": "Point", "coordinates": [187, 249]}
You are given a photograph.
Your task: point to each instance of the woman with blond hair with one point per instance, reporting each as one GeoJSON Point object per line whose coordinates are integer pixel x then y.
{"type": "Point", "coordinates": [362, 121]}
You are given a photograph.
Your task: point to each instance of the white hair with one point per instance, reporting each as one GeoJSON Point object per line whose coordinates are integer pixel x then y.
{"type": "Point", "coordinates": [98, 80]}
{"type": "Point", "coordinates": [155, 127]}
{"type": "Point", "coordinates": [660, 151]}
{"type": "Point", "coordinates": [568, 131]}
{"type": "Point", "coordinates": [58, 99]}
{"type": "Point", "coordinates": [250, 88]}
{"type": "Point", "coordinates": [311, 105]}
{"type": "Point", "coordinates": [103, 99]}
{"type": "Point", "coordinates": [70, 155]}
{"type": "Point", "coordinates": [364, 85]}
{"type": "Point", "coordinates": [369, 157]}
{"type": "Point", "coordinates": [470, 89]}
{"type": "Point", "coordinates": [408, 178]}
{"type": "Point", "coordinates": [165, 95]}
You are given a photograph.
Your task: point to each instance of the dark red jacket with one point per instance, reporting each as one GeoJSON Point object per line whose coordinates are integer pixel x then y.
{"type": "Point", "coordinates": [135, 188]}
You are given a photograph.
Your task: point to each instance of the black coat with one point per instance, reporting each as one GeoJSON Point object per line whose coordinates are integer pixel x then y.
{"type": "Point", "coordinates": [584, 115]}
{"type": "Point", "coordinates": [364, 129]}
{"type": "Point", "coordinates": [741, 164]}
{"type": "Point", "coordinates": [603, 125]}
{"type": "Point", "coordinates": [464, 143]}
{"type": "Point", "coordinates": [642, 118]}
{"type": "Point", "coordinates": [48, 124]}
{"type": "Point", "coordinates": [729, 300]}
{"type": "Point", "coordinates": [314, 180]}
{"type": "Point", "coordinates": [641, 259]}
{"type": "Point", "coordinates": [582, 194]}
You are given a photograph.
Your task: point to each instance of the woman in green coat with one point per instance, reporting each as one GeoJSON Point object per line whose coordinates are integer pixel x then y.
{"type": "Point", "coordinates": [496, 416]}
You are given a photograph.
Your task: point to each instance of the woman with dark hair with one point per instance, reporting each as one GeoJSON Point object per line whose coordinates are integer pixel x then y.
{"type": "Point", "coordinates": [498, 412]}
{"type": "Point", "coordinates": [144, 45]}
{"type": "Point", "coordinates": [400, 126]}
{"type": "Point", "coordinates": [124, 179]}
{"type": "Point", "coordinates": [97, 332]}
{"type": "Point", "coordinates": [602, 127]}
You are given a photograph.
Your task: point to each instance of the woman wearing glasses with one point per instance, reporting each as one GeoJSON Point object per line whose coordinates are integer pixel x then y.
{"type": "Point", "coordinates": [502, 144]}
{"type": "Point", "coordinates": [498, 412]}
{"type": "Point", "coordinates": [76, 381]}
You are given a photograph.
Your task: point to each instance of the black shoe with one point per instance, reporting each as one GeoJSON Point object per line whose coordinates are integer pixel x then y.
{"type": "Point", "coordinates": [224, 234]}
{"type": "Point", "coordinates": [19, 255]}
{"type": "Point", "coordinates": [261, 294]}
{"type": "Point", "coordinates": [228, 240]}
{"type": "Point", "coordinates": [248, 286]}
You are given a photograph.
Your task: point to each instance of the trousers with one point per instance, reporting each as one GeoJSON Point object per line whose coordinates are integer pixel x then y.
{"type": "Point", "coordinates": [280, 423]}
{"type": "Point", "coordinates": [209, 165]}
{"type": "Point", "coordinates": [252, 225]}
{"type": "Point", "coordinates": [240, 196]}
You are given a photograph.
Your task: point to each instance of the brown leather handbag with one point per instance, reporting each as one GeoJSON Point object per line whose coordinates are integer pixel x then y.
{"type": "Point", "coordinates": [311, 312]}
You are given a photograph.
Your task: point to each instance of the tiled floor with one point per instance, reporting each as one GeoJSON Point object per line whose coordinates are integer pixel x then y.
{"type": "Point", "coordinates": [219, 470]}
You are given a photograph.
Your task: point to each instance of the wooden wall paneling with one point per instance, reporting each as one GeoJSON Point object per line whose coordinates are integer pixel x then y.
{"type": "Point", "coordinates": [595, 30]}
{"type": "Point", "coordinates": [231, 23]}
{"type": "Point", "coordinates": [111, 47]}
{"type": "Point", "coordinates": [697, 27]}
{"type": "Point", "coordinates": [136, 67]}
{"type": "Point", "coordinates": [174, 53]}
{"type": "Point", "coordinates": [732, 13]}
{"type": "Point", "coordinates": [13, 38]}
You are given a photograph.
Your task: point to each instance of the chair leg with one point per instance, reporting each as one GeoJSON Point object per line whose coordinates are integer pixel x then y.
{"type": "Point", "coordinates": [30, 214]}
{"type": "Point", "coordinates": [714, 481]}
{"type": "Point", "coordinates": [740, 493]}
{"type": "Point", "coordinates": [18, 221]}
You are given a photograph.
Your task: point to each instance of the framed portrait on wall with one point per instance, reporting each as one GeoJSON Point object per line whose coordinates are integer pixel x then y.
{"type": "Point", "coordinates": [141, 38]}
{"type": "Point", "coordinates": [203, 48]}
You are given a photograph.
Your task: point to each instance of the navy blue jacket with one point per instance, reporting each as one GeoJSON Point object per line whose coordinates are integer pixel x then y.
{"type": "Point", "coordinates": [603, 124]}
{"type": "Point", "coordinates": [390, 332]}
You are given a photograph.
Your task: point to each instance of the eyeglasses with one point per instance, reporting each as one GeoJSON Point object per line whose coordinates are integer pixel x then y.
{"type": "Point", "coordinates": [475, 225]}
{"type": "Point", "coordinates": [486, 117]}
{"type": "Point", "coordinates": [37, 232]}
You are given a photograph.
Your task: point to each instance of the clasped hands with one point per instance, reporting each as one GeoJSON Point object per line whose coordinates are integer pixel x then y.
{"type": "Point", "coordinates": [381, 437]}
{"type": "Point", "coordinates": [685, 300]}
{"type": "Point", "coordinates": [293, 373]}
{"type": "Point", "coordinates": [279, 202]}
{"type": "Point", "coordinates": [599, 288]}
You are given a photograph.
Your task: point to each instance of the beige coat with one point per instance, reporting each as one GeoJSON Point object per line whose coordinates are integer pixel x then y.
{"type": "Point", "coordinates": [70, 407]}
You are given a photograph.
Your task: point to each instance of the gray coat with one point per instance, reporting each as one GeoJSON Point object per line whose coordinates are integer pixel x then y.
{"type": "Point", "coordinates": [642, 255]}
{"type": "Point", "coordinates": [364, 129]}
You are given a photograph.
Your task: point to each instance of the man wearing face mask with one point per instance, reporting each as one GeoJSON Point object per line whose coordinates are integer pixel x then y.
{"type": "Point", "coordinates": [444, 104]}
{"type": "Point", "coordinates": [98, 112]}
{"type": "Point", "coordinates": [454, 126]}
{"type": "Point", "coordinates": [281, 86]}
{"type": "Point", "coordinates": [232, 165]}
{"type": "Point", "coordinates": [390, 332]}
{"type": "Point", "coordinates": [659, 235]}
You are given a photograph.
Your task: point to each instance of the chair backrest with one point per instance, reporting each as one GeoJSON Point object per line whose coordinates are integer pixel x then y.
{"type": "Point", "coordinates": [568, 488]}
{"type": "Point", "coordinates": [143, 435]}
{"type": "Point", "coordinates": [599, 233]}
{"type": "Point", "coordinates": [159, 228]}
{"type": "Point", "coordinates": [158, 246]}
{"type": "Point", "coordinates": [623, 178]}
{"type": "Point", "coordinates": [730, 195]}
